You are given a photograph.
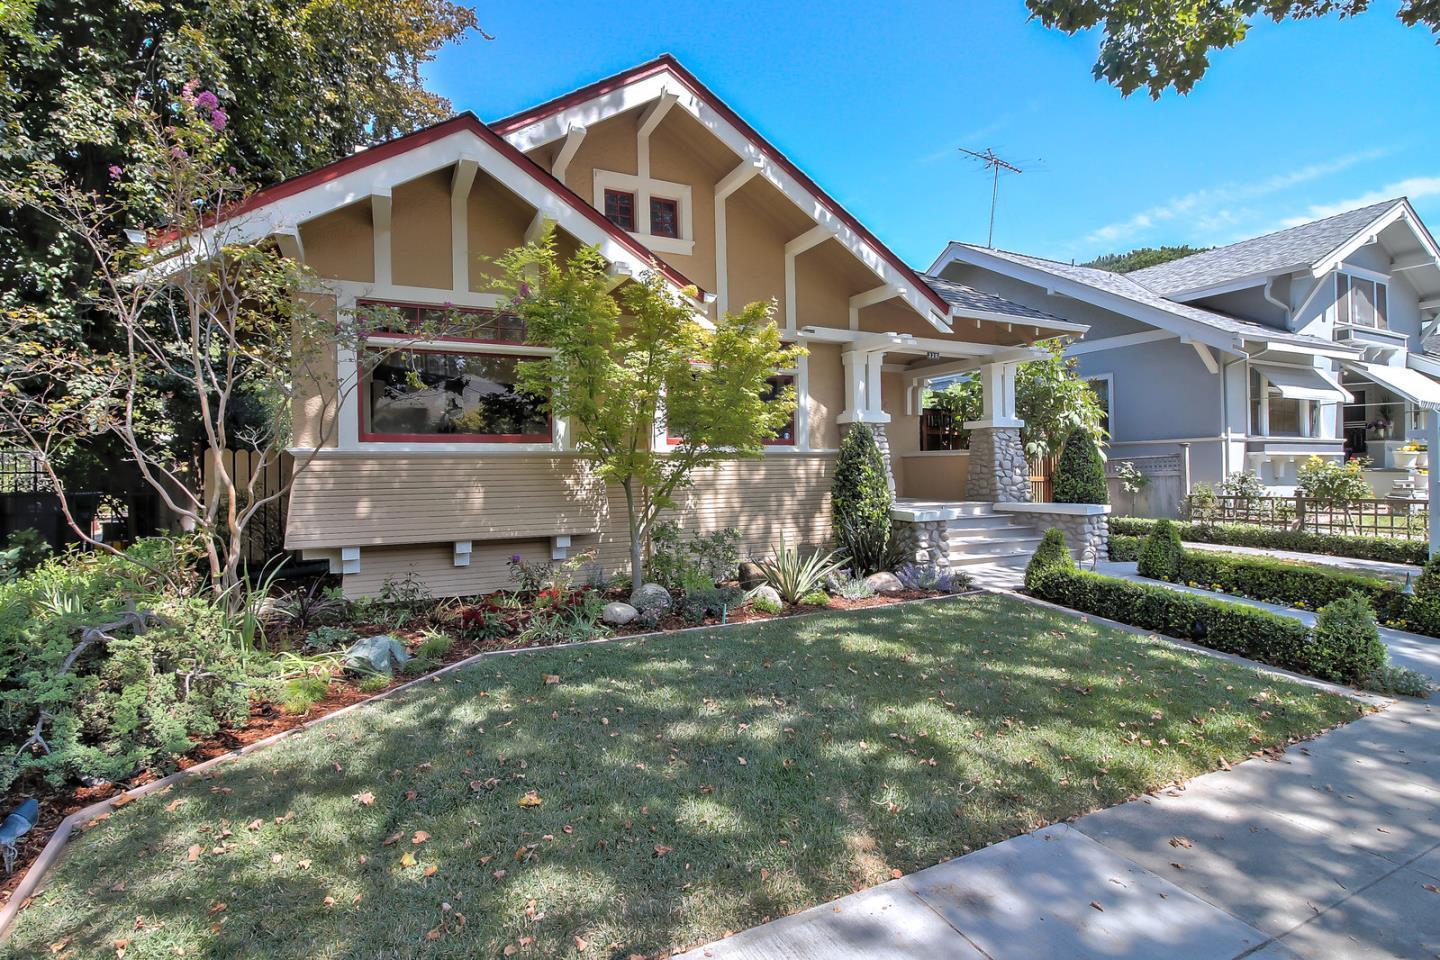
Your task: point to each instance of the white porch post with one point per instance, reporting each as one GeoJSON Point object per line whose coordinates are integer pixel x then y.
{"type": "Point", "coordinates": [998, 470]}
{"type": "Point", "coordinates": [863, 399]}
{"type": "Point", "coordinates": [1432, 447]}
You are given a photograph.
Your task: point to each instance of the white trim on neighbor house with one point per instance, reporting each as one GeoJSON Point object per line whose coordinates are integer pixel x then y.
{"type": "Point", "coordinates": [1371, 233]}
{"type": "Point", "coordinates": [643, 189]}
{"type": "Point", "coordinates": [1110, 410]}
{"type": "Point", "coordinates": [1082, 347]}
{"type": "Point", "coordinates": [663, 83]}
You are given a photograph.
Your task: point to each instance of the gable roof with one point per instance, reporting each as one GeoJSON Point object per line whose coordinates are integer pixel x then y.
{"type": "Point", "coordinates": [1296, 248]}
{"type": "Point", "coordinates": [1116, 285]}
{"type": "Point", "coordinates": [666, 64]}
{"type": "Point", "coordinates": [462, 124]}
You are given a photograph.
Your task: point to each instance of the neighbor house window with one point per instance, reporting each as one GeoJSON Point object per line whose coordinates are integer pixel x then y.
{"type": "Point", "coordinates": [620, 209]}
{"type": "Point", "coordinates": [664, 217]}
{"type": "Point", "coordinates": [1360, 301]}
{"type": "Point", "coordinates": [439, 395]}
{"type": "Point", "coordinates": [1101, 387]}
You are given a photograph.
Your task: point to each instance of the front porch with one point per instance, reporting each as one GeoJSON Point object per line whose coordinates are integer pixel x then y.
{"type": "Point", "coordinates": [956, 534]}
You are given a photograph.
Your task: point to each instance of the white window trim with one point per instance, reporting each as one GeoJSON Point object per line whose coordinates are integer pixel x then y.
{"type": "Point", "coordinates": [643, 190]}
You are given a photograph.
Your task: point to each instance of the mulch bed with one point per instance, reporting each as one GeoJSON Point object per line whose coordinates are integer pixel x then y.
{"type": "Point", "coordinates": [268, 719]}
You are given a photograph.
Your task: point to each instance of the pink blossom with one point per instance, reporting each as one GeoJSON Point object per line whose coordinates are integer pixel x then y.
{"type": "Point", "coordinates": [115, 171]}
{"type": "Point", "coordinates": [231, 170]}
{"type": "Point", "coordinates": [218, 119]}
{"type": "Point", "coordinates": [207, 100]}
{"type": "Point", "coordinates": [178, 153]}
{"type": "Point", "coordinates": [187, 92]}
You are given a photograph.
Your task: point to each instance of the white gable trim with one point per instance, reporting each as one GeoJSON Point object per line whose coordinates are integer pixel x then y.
{"type": "Point", "coordinates": [664, 83]}
{"type": "Point", "coordinates": [1371, 233]}
{"type": "Point", "coordinates": [377, 180]}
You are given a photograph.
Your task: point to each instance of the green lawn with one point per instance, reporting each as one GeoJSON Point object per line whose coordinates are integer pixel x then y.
{"type": "Point", "coordinates": [689, 785]}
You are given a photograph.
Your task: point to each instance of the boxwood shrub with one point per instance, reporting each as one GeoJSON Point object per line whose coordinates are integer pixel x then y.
{"type": "Point", "coordinates": [1125, 548]}
{"type": "Point", "coordinates": [1220, 625]}
{"type": "Point", "coordinates": [1161, 555]}
{"type": "Point", "coordinates": [1385, 549]}
{"type": "Point", "coordinates": [1281, 581]}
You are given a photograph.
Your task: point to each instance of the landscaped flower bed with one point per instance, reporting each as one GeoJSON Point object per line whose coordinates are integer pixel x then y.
{"type": "Point", "coordinates": [292, 665]}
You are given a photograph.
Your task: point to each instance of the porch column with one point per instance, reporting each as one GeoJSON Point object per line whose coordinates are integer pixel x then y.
{"type": "Point", "coordinates": [863, 401]}
{"type": "Point", "coordinates": [999, 472]}
{"type": "Point", "coordinates": [1432, 478]}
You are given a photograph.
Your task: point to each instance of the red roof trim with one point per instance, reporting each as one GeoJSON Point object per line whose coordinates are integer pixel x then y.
{"type": "Point", "coordinates": [463, 121]}
{"type": "Point", "coordinates": [667, 62]}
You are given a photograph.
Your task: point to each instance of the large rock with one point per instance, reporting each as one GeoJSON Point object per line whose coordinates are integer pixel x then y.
{"type": "Point", "coordinates": [378, 654]}
{"type": "Point", "coordinates": [618, 613]}
{"type": "Point", "coordinates": [884, 582]}
{"type": "Point", "coordinates": [751, 576]}
{"type": "Point", "coordinates": [767, 592]}
{"type": "Point", "coordinates": [651, 596]}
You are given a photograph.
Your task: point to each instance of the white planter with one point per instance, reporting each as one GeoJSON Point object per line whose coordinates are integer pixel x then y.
{"type": "Point", "coordinates": [1405, 459]}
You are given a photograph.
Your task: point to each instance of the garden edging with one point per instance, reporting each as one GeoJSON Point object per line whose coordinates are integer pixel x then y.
{"type": "Point", "coordinates": [51, 852]}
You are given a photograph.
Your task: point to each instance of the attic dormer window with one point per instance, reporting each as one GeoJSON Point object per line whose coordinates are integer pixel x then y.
{"type": "Point", "coordinates": [658, 213]}
{"type": "Point", "coordinates": [1360, 301]}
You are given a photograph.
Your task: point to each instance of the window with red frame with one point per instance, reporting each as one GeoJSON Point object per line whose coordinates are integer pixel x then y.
{"type": "Point", "coordinates": [457, 323]}
{"type": "Point", "coordinates": [620, 209]}
{"type": "Point", "coordinates": [664, 217]}
{"type": "Point", "coordinates": [439, 395]}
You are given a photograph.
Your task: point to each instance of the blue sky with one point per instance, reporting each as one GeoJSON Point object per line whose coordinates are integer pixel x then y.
{"type": "Point", "coordinates": [1300, 121]}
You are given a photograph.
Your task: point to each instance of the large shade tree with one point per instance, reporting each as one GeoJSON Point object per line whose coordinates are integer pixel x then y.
{"type": "Point", "coordinates": [1164, 44]}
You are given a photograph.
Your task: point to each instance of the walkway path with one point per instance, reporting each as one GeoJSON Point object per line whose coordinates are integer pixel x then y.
{"type": "Point", "coordinates": [1330, 852]}
{"type": "Point", "coordinates": [1406, 649]}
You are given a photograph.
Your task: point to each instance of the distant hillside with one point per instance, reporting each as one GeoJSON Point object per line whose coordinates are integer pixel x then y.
{"type": "Point", "coordinates": [1141, 258]}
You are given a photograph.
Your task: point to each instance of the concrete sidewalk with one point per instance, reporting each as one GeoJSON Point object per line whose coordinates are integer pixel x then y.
{"type": "Point", "coordinates": [1395, 571]}
{"type": "Point", "coordinates": [1331, 851]}
{"type": "Point", "coordinates": [1411, 650]}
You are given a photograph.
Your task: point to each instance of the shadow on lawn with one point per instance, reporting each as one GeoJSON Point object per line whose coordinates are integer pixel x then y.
{"type": "Point", "coordinates": [877, 741]}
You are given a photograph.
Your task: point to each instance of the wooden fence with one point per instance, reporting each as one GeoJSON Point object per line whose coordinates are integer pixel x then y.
{"type": "Point", "coordinates": [1042, 474]}
{"type": "Point", "coordinates": [1406, 519]}
{"type": "Point", "coordinates": [265, 533]}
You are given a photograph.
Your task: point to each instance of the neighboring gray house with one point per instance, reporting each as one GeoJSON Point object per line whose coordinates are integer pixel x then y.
{"type": "Point", "coordinates": [1256, 355]}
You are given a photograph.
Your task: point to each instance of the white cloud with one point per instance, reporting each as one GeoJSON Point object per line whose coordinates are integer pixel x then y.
{"type": "Point", "coordinates": [1415, 188]}
{"type": "Point", "coordinates": [1214, 207]}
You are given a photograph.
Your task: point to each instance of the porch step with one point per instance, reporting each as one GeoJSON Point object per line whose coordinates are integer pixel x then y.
{"type": "Point", "coordinates": [995, 525]}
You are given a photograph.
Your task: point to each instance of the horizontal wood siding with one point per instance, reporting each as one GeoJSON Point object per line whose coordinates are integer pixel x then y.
{"type": "Point", "coordinates": [410, 530]}
{"type": "Point", "coordinates": [368, 501]}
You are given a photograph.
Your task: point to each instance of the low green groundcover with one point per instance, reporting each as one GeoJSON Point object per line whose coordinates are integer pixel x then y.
{"type": "Point", "coordinates": [657, 792]}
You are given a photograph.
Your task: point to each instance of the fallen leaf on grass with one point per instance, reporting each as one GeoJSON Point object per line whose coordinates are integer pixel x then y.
{"type": "Point", "coordinates": [408, 859]}
{"type": "Point", "coordinates": [551, 679]}
{"type": "Point", "coordinates": [896, 874]}
{"type": "Point", "coordinates": [217, 908]}
{"type": "Point", "coordinates": [170, 807]}
{"type": "Point", "coordinates": [365, 799]}
{"type": "Point", "coordinates": [420, 837]}
{"type": "Point", "coordinates": [661, 849]}
{"type": "Point", "coordinates": [193, 853]}
{"type": "Point", "coordinates": [531, 799]}
{"type": "Point", "coordinates": [431, 870]}
{"type": "Point", "coordinates": [393, 838]}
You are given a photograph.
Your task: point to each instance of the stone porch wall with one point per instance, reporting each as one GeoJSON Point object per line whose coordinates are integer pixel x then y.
{"type": "Point", "coordinates": [1086, 526]}
{"type": "Point", "coordinates": [998, 470]}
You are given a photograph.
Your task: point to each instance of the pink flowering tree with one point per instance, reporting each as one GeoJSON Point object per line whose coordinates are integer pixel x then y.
{"type": "Point", "coordinates": [193, 311]}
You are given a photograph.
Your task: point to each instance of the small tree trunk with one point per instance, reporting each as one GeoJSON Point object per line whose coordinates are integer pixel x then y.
{"type": "Point", "coordinates": [637, 540]}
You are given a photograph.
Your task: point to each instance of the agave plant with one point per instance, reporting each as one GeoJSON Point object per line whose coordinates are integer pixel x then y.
{"type": "Point", "coordinates": [794, 575]}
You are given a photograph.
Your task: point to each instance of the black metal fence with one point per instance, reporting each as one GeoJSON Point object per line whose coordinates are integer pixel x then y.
{"type": "Point", "coordinates": [1407, 519]}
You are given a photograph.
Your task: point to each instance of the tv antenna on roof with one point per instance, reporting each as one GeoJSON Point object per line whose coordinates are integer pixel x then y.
{"type": "Point", "coordinates": [995, 164]}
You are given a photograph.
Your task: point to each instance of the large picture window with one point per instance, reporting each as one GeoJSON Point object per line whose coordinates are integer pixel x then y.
{"type": "Point", "coordinates": [440, 395]}
{"type": "Point", "coordinates": [452, 323]}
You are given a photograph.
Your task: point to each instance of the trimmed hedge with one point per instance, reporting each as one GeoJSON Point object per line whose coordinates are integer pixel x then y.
{"type": "Point", "coordinates": [1281, 581]}
{"type": "Point", "coordinates": [1052, 554]}
{"type": "Point", "coordinates": [1161, 555]}
{"type": "Point", "coordinates": [1080, 472]}
{"type": "Point", "coordinates": [1125, 549]}
{"type": "Point", "coordinates": [1385, 549]}
{"type": "Point", "coordinates": [1228, 627]}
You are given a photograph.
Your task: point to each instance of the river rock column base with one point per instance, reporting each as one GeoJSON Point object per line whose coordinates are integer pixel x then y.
{"type": "Point", "coordinates": [998, 470]}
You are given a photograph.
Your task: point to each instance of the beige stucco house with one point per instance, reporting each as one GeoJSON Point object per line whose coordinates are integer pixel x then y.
{"type": "Point", "coordinates": [655, 171]}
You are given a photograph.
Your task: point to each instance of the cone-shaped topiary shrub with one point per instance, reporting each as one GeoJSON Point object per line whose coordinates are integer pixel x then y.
{"type": "Point", "coordinates": [1080, 474]}
{"type": "Point", "coordinates": [860, 501]}
{"type": "Point", "coordinates": [1052, 554]}
{"type": "Point", "coordinates": [1345, 642]}
{"type": "Point", "coordinates": [1160, 556]}
{"type": "Point", "coordinates": [1427, 585]}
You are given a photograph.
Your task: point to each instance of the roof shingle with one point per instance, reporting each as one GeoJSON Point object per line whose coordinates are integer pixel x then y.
{"type": "Point", "coordinates": [1296, 247]}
